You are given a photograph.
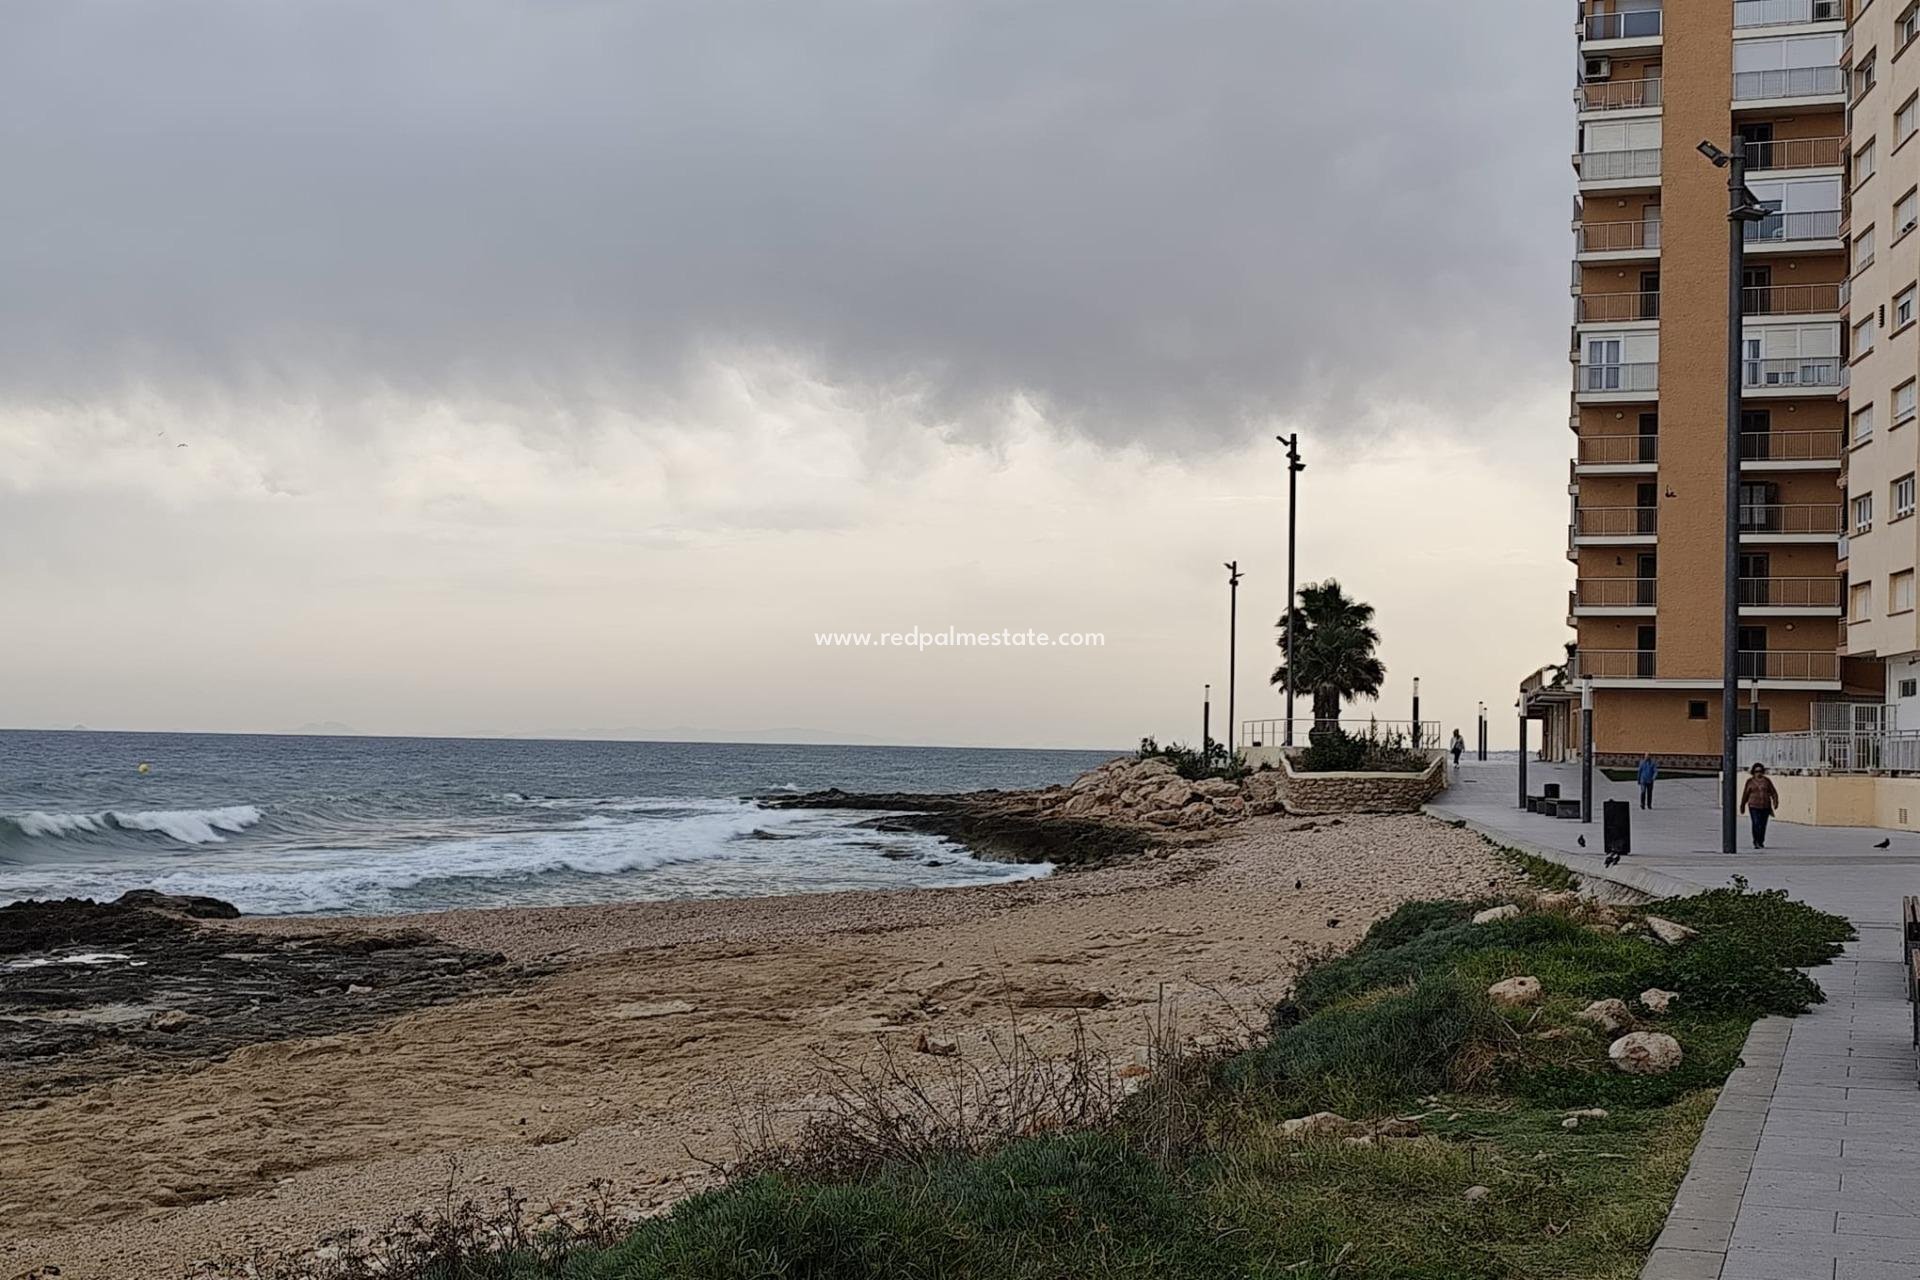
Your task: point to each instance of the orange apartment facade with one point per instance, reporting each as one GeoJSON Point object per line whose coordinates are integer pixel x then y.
{"type": "Point", "coordinates": [1646, 533]}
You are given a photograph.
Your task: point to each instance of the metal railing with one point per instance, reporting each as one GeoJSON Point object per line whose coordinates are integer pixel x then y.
{"type": "Point", "coordinates": [1638, 24]}
{"type": "Point", "coordinates": [1605, 166]}
{"type": "Point", "coordinates": [1613, 664]}
{"type": "Point", "coordinates": [1272, 733]}
{"type": "Point", "coordinates": [1832, 751]}
{"type": "Point", "coordinates": [1615, 522]}
{"type": "Point", "coordinates": [1619, 95]}
{"type": "Point", "coordinates": [1618, 237]}
{"type": "Point", "coordinates": [1618, 377]}
{"type": "Point", "coordinates": [1785, 13]}
{"type": "Point", "coordinates": [1797, 153]}
{"type": "Point", "coordinates": [1615, 593]}
{"type": "Point", "coordinates": [1790, 299]}
{"type": "Point", "coordinates": [1809, 224]}
{"type": "Point", "coordinates": [1790, 593]}
{"type": "Point", "coordinates": [1817, 518]}
{"type": "Point", "coordinates": [1595, 307]}
{"type": "Point", "coordinates": [1788, 664]}
{"type": "Point", "coordinates": [1791, 446]}
{"type": "Point", "coordinates": [1788, 82]}
{"type": "Point", "coordinates": [1605, 451]}
{"type": "Point", "coordinates": [1791, 371]}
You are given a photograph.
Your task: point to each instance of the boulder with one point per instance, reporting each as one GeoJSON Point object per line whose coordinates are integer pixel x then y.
{"type": "Point", "coordinates": [1216, 788]}
{"type": "Point", "coordinates": [1658, 1001]}
{"type": "Point", "coordinates": [1513, 993]}
{"type": "Point", "coordinates": [1505, 912]}
{"type": "Point", "coordinates": [1171, 795]}
{"type": "Point", "coordinates": [937, 1046]}
{"type": "Point", "coordinates": [1669, 932]}
{"type": "Point", "coordinates": [1163, 817]}
{"type": "Point", "coordinates": [1608, 1015]}
{"type": "Point", "coordinates": [178, 904]}
{"type": "Point", "coordinates": [1645, 1053]}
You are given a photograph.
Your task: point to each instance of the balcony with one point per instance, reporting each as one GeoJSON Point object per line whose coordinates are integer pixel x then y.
{"type": "Point", "coordinates": [1790, 521]}
{"type": "Point", "coordinates": [1790, 595]}
{"type": "Point", "coordinates": [1594, 526]}
{"type": "Point", "coordinates": [1793, 299]}
{"type": "Point", "coordinates": [1751, 14]}
{"type": "Point", "coordinates": [1618, 169]}
{"type": "Point", "coordinates": [1599, 455]}
{"type": "Point", "coordinates": [1796, 153]}
{"type": "Point", "coordinates": [1791, 450]}
{"type": "Point", "coordinates": [1603, 597]}
{"type": "Point", "coordinates": [1600, 308]}
{"type": "Point", "coordinates": [1789, 85]}
{"type": "Point", "coordinates": [1618, 95]}
{"type": "Point", "coordinates": [1801, 228]}
{"type": "Point", "coordinates": [1774, 667]}
{"type": "Point", "coordinates": [1599, 383]}
{"type": "Point", "coordinates": [1620, 30]}
{"type": "Point", "coordinates": [1790, 375]}
{"type": "Point", "coordinates": [1789, 666]}
{"type": "Point", "coordinates": [1612, 664]}
{"type": "Point", "coordinates": [1632, 239]}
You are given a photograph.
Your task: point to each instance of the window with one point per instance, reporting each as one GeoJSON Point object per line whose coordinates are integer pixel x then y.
{"type": "Point", "coordinates": [1863, 163]}
{"type": "Point", "coordinates": [1860, 602]}
{"type": "Point", "coordinates": [1863, 249]}
{"type": "Point", "coordinates": [1900, 592]}
{"type": "Point", "coordinates": [1903, 403]}
{"type": "Point", "coordinates": [1906, 26]}
{"type": "Point", "coordinates": [1903, 496]}
{"type": "Point", "coordinates": [1863, 513]}
{"type": "Point", "coordinates": [1905, 120]}
{"type": "Point", "coordinates": [1862, 425]}
{"type": "Point", "coordinates": [1909, 688]}
{"type": "Point", "coordinates": [1863, 337]}
{"type": "Point", "coordinates": [1755, 719]}
{"type": "Point", "coordinates": [1906, 212]}
{"type": "Point", "coordinates": [1903, 307]}
{"type": "Point", "coordinates": [1865, 74]}
{"type": "Point", "coordinates": [1696, 710]}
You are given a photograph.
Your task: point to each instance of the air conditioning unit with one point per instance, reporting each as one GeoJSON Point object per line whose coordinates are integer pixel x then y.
{"type": "Point", "coordinates": [1598, 69]}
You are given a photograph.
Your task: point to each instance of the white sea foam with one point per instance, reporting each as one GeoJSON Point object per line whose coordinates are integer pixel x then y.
{"type": "Point", "coordinates": [188, 826]}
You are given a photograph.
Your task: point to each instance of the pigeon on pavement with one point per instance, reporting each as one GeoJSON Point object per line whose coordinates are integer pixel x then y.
{"type": "Point", "coordinates": [1581, 841]}
{"type": "Point", "coordinates": [1884, 843]}
{"type": "Point", "coordinates": [1610, 859]}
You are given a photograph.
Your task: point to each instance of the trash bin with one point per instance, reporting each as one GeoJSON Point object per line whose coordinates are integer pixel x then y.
{"type": "Point", "coordinates": [1551, 790]}
{"type": "Point", "coordinates": [1616, 820]}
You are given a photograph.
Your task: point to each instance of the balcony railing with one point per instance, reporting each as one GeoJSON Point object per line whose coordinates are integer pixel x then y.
{"type": "Point", "coordinates": [1790, 593]}
{"type": "Point", "coordinates": [1821, 519]}
{"type": "Point", "coordinates": [1791, 446]}
{"type": "Point", "coordinates": [1615, 593]}
{"type": "Point", "coordinates": [1789, 82]}
{"type": "Point", "coordinates": [1797, 153]}
{"type": "Point", "coordinates": [1594, 307]}
{"type": "Point", "coordinates": [1613, 664]}
{"type": "Point", "coordinates": [1785, 13]}
{"type": "Point", "coordinates": [1617, 377]}
{"type": "Point", "coordinates": [1791, 371]}
{"type": "Point", "coordinates": [1810, 224]}
{"type": "Point", "coordinates": [1788, 664]}
{"type": "Point", "coordinates": [1639, 24]}
{"type": "Point", "coordinates": [1618, 237]}
{"type": "Point", "coordinates": [1619, 95]}
{"type": "Point", "coordinates": [1615, 522]}
{"type": "Point", "coordinates": [1790, 299]}
{"type": "Point", "coordinates": [1832, 751]}
{"type": "Point", "coordinates": [1617, 451]}
{"type": "Point", "coordinates": [1609, 166]}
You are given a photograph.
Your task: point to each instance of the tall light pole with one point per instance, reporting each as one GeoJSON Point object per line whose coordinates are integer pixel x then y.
{"type": "Point", "coordinates": [1294, 468]}
{"type": "Point", "coordinates": [1206, 722]}
{"type": "Point", "coordinates": [1416, 713]}
{"type": "Point", "coordinates": [1742, 207]}
{"type": "Point", "coordinates": [1481, 741]}
{"type": "Point", "coordinates": [1233, 633]}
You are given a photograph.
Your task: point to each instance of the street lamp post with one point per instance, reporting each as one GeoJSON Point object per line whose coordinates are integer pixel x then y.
{"type": "Point", "coordinates": [1233, 632]}
{"type": "Point", "coordinates": [1294, 468]}
{"type": "Point", "coordinates": [1206, 721]}
{"type": "Point", "coordinates": [1742, 207]}
{"type": "Point", "coordinates": [1481, 749]}
{"type": "Point", "coordinates": [1416, 713]}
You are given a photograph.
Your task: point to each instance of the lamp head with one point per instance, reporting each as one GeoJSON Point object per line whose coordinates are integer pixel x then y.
{"type": "Point", "coordinates": [1715, 154]}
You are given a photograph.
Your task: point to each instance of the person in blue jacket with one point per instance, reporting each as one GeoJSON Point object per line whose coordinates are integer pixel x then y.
{"type": "Point", "coordinates": [1648, 772]}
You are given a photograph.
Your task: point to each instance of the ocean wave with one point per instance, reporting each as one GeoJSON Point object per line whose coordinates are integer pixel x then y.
{"type": "Point", "coordinates": [187, 826]}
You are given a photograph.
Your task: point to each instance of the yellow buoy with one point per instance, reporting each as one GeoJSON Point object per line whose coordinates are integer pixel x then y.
{"type": "Point", "coordinates": [146, 768]}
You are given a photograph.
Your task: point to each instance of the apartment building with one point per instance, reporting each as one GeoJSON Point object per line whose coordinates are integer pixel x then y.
{"type": "Point", "coordinates": [1883, 216]}
{"type": "Point", "coordinates": [1649, 355]}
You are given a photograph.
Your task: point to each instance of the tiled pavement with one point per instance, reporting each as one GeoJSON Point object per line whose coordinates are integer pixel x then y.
{"type": "Point", "coordinates": [1809, 1167]}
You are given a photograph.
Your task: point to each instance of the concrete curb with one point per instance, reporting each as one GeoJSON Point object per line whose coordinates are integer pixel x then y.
{"type": "Point", "coordinates": [1629, 884]}
{"type": "Point", "coordinates": [1693, 1244]}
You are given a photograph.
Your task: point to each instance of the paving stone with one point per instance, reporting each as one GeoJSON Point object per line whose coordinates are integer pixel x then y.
{"type": "Point", "coordinates": [1749, 1264]}
{"type": "Point", "coordinates": [1906, 1226]}
{"type": "Point", "coordinates": [1681, 1264]}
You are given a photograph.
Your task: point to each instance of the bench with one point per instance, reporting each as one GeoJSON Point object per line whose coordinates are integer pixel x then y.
{"type": "Point", "coordinates": [1910, 958]}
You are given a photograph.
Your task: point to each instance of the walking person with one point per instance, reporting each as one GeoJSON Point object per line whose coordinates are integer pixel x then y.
{"type": "Point", "coordinates": [1648, 772]}
{"type": "Point", "coordinates": [1758, 801]}
{"type": "Point", "coordinates": [1459, 748]}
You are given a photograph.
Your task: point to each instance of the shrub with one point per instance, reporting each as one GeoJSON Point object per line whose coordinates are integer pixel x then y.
{"type": "Point", "coordinates": [1334, 750]}
{"type": "Point", "coordinates": [1217, 762]}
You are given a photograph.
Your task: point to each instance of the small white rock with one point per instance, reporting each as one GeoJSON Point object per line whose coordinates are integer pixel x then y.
{"type": "Point", "coordinates": [1477, 1192]}
{"type": "Point", "coordinates": [1515, 992]}
{"type": "Point", "coordinates": [1658, 1001]}
{"type": "Point", "coordinates": [1669, 932]}
{"type": "Point", "coordinates": [1645, 1053]}
{"type": "Point", "coordinates": [1506, 912]}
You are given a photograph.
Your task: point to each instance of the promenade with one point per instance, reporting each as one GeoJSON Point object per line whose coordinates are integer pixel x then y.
{"type": "Point", "coordinates": [1809, 1168]}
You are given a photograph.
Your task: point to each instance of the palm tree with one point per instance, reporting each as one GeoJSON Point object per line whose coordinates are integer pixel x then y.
{"type": "Point", "coordinates": [1335, 638]}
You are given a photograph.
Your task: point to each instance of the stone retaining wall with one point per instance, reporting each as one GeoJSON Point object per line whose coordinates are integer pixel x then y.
{"type": "Point", "coordinates": [1312, 794]}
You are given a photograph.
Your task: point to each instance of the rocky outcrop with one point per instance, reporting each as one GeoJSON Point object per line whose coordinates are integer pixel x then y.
{"type": "Point", "coordinates": [191, 906]}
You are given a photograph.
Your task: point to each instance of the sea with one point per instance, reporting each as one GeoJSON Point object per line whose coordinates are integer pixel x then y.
{"type": "Point", "coordinates": [361, 825]}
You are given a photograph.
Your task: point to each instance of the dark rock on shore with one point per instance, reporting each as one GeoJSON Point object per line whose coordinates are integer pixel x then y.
{"type": "Point", "coordinates": [1001, 826]}
{"type": "Point", "coordinates": [191, 905]}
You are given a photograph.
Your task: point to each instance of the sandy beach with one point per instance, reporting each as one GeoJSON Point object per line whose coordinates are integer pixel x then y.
{"type": "Point", "coordinates": [641, 1033]}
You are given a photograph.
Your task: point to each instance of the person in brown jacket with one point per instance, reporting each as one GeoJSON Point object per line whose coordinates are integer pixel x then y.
{"type": "Point", "coordinates": [1758, 801]}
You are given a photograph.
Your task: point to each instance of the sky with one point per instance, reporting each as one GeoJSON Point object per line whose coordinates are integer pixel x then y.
{"type": "Point", "coordinates": [563, 367]}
